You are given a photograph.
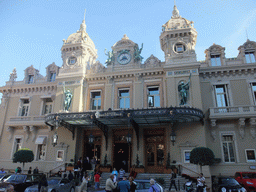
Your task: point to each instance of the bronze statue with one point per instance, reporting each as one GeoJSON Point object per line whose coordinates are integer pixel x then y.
{"type": "Point", "coordinates": [183, 91]}
{"type": "Point", "coordinates": [137, 52]}
{"type": "Point", "coordinates": [110, 58]}
{"type": "Point", "coordinates": [68, 98]}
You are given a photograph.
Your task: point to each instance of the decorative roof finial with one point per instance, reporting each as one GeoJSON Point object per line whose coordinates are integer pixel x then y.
{"type": "Point", "coordinates": [83, 26]}
{"type": "Point", "coordinates": [125, 37]}
{"type": "Point", "coordinates": [175, 12]}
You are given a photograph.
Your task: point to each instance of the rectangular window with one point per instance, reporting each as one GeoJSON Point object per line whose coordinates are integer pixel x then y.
{"type": "Point", "coordinates": [24, 107]}
{"type": "Point", "coordinates": [60, 155]}
{"type": "Point", "coordinates": [124, 99]}
{"type": "Point", "coordinates": [153, 97]}
{"type": "Point", "coordinates": [96, 100]}
{"type": "Point", "coordinates": [253, 86]}
{"type": "Point", "coordinates": [30, 79]}
{"type": "Point", "coordinates": [52, 77]}
{"type": "Point", "coordinates": [215, 60]}
{"type": "Point", "coordinates": [228, 148]}
{"type": "Point", "coordinates": [187, 156]}
{"type": "Point", "coordinates": [47, 109]}
{"type": "Point", "coordinates": [221, 96]}
{"type": "Point", "coordinates": [17, 144]}
{"type": "Point", "coordinates": [250, 155]}
{"type": "Point", "coordinates": [250, 57]}
{"type": "Point", "coordinates": [41, 147]}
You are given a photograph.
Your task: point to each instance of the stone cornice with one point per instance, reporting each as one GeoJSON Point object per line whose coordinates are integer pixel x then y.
{"type": "Point", "coordinates": [102, 76]}
{"type": "Point", "coordinates": [227, 70]}
{"type": "Point", "coordinates": [29, 88]}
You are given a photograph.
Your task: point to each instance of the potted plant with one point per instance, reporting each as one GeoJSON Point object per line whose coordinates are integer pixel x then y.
{"type": "Point", "coordinates": [69, 166]}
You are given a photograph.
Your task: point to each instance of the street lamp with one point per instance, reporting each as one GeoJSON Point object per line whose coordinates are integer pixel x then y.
{"type": "Point", "coordinates": [54, 139]}
{"type": "Point", "coordinates": [91, 139]}
{"type": "Point", "coordinates": [129, 138]}
{"type": "Point", "coordinates": [173, 137]}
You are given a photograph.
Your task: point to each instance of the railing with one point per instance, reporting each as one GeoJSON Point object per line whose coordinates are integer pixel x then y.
{"type": "Point", "coordinates": [226, 112]}
{"type": "Point", "coordinates": [27, 118]}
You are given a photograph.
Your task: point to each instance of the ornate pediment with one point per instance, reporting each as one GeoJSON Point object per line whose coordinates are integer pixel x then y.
{"type": "Point", "coordinates": [124, 42]}
{"type": "Point", "coordinates": [97, 67]}
{"type": "Point", "coordinates": [152, 61]}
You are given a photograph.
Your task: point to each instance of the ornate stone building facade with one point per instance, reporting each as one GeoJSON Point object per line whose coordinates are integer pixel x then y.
{"type": "Point", "coordinates": [129, 112]}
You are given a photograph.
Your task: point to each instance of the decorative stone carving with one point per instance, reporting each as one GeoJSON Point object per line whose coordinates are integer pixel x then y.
{"type": "Point", "coordinates": [241, 127]}
{"type": "Point", "coordinates": [152, 61]}
{"type": "Point", "coordinates": [26, 130]}
{"type": "Point", "coordinates": [97, 67]}
{"type": "Point", "coordinates": [213, 123]}
{"type": "Point", "coordinates": [13, 75]}
{"type": "Point", "coordinates": [33, 130]}
{"type": "Point", "coordinates": [253, 127]}
{"type": "Point", "coordinates": [213, 134]}
{"type": "Point", "coordinates": [11, 132]}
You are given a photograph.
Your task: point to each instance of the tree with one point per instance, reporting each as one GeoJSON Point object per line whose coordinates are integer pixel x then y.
{"type": "Point", "coordinates": [23, 155]}
{"type": "Point", "coordinates": [202, 156]}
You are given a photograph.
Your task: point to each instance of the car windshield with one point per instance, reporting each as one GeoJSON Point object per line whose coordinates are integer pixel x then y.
{"type": "Point", "coordinates": [16, 178]}
{"type": "Point", "coordinates": [249, 175]}
{"type": "Point", "coordinates": [229, 181]}
{"type": "Point", "coordinates": [144, 185]}
{"type": "Point", "coordinates": [53, 181]}
{"type": "Point", "coordinates": [2, 175]}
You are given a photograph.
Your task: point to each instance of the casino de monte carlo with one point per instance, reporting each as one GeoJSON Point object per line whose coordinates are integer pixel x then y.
{"type": "Point", "coordinates": [134, 111]}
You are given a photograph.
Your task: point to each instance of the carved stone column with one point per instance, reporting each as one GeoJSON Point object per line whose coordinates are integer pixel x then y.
{"type": "Point", "coordinates": [253, 127]}
{"type": "Point", "coordinates": [33, 130]}
{"type": "Point", "coordinates": [241, 127]}
{"type": "Point", "coordinates": [213, 130]}
{"type": "Point", "coordinates": [11, 132]}
{"type": "Point", "coordinates": [26, 130]}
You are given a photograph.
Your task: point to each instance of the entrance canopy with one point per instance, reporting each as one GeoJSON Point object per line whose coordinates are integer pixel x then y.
{"type": "Point", "coordinates": [123, 118]}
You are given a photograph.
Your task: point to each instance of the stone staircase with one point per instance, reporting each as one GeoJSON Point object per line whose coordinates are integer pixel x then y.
{"type": "Point", "coordinates": [179, 180]}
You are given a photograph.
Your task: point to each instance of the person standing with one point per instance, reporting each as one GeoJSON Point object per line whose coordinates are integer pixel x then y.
{"type": "Point", "coordinates": [76, 171]}
{"type": "Point", "coordinates": [110, 184]}
{"type": "Point", "coordinates": [173, 176]}
{"type": "Point", "coordinates": [200, 183]}
{"type": "Point", "coordinates": [70, 176]}
{"type": "Point", "coordinates": [97, 181]}
{"type": "Point", "coordinates": [43, 184]}
{"type": "Point", "coordinates": [124, 185]}
{"type": "Point", "coordinates": [121, 173]}
{"type": "Point", "coordinates": [84, 184]}
{"type": "Point", "coordinates": [36, 171]}
{"type": "Point", "coordinates": [133, 185]}
{"type": "Point", "coordinates": [115, 173]}
{"type": "Point", "coordinates": [153, 187]}
{"type": "Point", "coordinates": [2, 171]}
{"type": "Point", "coordinates": [30, 170]}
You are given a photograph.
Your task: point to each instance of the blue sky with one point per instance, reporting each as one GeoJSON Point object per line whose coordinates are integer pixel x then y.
{"type": "Point", "coordinates": [31, 31]}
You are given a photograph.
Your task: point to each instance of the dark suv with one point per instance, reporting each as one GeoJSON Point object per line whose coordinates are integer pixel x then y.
{"type": "Point", "coordinates": [247, 180]}
{"type": "Point", "coordinates": [226, 184]}
{"type": "Point", "coordinates": [20, 181]}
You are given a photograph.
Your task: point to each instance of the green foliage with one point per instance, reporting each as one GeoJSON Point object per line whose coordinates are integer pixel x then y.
{"type": "Point", "coordinates": [202, 156]}
{"type": "Point", "coordinates": [160, 180]}
{"type": "Point", "coordinates": [23, 155]}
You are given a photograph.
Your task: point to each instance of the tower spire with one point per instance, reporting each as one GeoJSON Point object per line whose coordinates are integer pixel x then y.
{"type": "Point", "coordinates": [84, 13]}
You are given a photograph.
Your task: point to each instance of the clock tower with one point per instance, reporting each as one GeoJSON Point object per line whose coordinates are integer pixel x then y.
{"type": "Point", "coordinates": [178, 40]}
{"type": "Point", "coordinates": [78, 53]}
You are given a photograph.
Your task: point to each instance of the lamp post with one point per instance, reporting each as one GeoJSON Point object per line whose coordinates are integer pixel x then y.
{"type": "Point", "coordinates": [129, 141]}
{"type": "Point", "coordinates": [55, 136]}
{"type": "Point", "coordinates": [173, 137]}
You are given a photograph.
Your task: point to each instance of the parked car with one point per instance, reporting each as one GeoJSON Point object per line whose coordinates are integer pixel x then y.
{"type": "Point", "coordinates": [20, 181]}
{"type": "Point", "coordinates": [144, 185]}
{"type": "Point", "coordinates": [226, 184]}
{"type": "Point", "coordinates": [56, 184]}
{"type": "Point", "coordinates": [247, 180]}
{"type": "Point", "coordinates": [3, 177]}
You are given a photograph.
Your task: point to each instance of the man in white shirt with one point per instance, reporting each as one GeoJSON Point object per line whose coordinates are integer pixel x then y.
{"type": "Point", "coordinates": [200, 183]}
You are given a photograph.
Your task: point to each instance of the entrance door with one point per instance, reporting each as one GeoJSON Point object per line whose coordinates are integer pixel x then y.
{"type": "Point", "coordinates": [121, 155]}
{"type": "Point", "coordinates": [155, 154]}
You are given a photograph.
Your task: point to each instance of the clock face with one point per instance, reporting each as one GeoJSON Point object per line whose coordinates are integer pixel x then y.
{"type": "Point", "coordinates": [124, 58]}
{"type": "Point", "coordinates": [72, 60]}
